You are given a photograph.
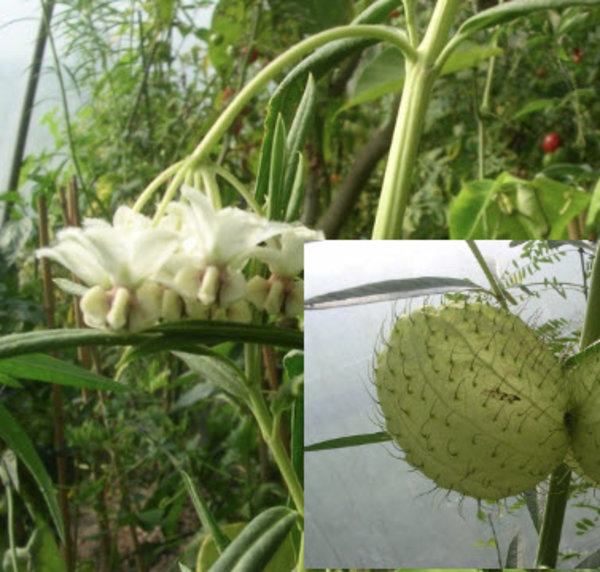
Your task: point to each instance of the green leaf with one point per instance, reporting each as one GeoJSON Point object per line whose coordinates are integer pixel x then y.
{"type": "Point", "coordinates": [297, 191]}
{"type": "Point", "coordinates": [10, 381]}
{"type": "Point", "coordinates": [221, 372]}
{"type": "Point", "coordinates": [279, 153]}
{"type": "Point", "coordinates": [515, 557]}
{"type": "Point", "coordinates": [351, 441]}
{"type": "Point", "coordinates": [592, 217]}
{"type": "Point", "coordinates": [389, 290]}
{"type": "Point", "coordinates": [531, 501]}
{"type": "Point", "coordinates": [40, 367]}
{"type": "Point", "coordinates": [229, 24]}
{"type": "Point", "coordinates": [384, 74]}
{"type": "Point", "coordinates": [198, 331]}
{"type": "Point", "coordinates": [297, 136]}
{"type": "Point", "coordinates": [43, 551]}
{"type": "Point", "coordinates": [16, 439]}
{"type": "Point", "coordinates": [498, 209]}
{"type": "Point", "coordinates": [258, 542]}
{"type": "Point", "coordinates": [319, 63]}
{"type": "Point", "coordinates": [204, 513]}
{"type": "Point", "coordinates": [509, 11]}
{"type": "Point", "coordinates": [533, 107]}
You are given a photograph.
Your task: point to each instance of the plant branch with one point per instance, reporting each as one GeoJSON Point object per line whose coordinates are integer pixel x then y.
{"type": "Point", "coordinates": [28, 103]}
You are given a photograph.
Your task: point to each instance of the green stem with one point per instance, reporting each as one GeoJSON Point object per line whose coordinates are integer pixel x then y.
{"type": "Point", "coordinates": [501, 295]}
{"type": "Point", "coordinates": [558, 492]}
{"type": "Point", "coordinates": [411, 21]}
{"type": "Point", "coordinates": [418, 85]}
{"type": "Point", "coordinates": [11, 526]}
{"type": "Point", "coordinates": [377, 32]}
{"type": "Point", "coordinates": [268, 427]}
{"type": "Point", "coordinates": [554, 515]}
{"type": "Point", "coordinates": [273, 440]}
{"type": "Point", "coordinates": [253, 87]}
{"type": "Point", "coordinates": [591, 324]}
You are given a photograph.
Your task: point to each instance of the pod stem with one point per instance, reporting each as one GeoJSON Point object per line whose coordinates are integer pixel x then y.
{"type": "Point", "coordinates": [558, 493]}
{"type": "Point", "coordinates": [554, 516]}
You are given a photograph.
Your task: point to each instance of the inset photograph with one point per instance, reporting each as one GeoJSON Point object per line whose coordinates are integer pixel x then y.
{"type": "Point", "coordinates": [451, 402]}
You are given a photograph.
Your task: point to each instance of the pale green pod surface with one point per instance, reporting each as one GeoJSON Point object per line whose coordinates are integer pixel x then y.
{"type": "Point", "coordinates": [584, 418]}
{"type": "Point", "coordinates": [474, 399]}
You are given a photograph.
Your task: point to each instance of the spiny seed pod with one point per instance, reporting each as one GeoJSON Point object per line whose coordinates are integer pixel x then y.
{"type": "Point", "coordinates": [584, 417]}
{"type": "Point", "coordinates": [475, 400]}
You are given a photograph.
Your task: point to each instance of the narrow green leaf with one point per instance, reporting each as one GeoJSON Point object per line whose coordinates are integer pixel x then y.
{"type": "Point", "coordinates": [45, 340]}
{"type": "Point", "coordinates": [389, 290]}
{"type": "Point", "coordinates": [257, 543]}
{"type": "Point", "coordinates": [204, 513]}
{"type": "Point", "coordinates": [41, 367]}
{"type": "Point", "coordinates": [590, 562]}
{"type": "Point", "coordinates": [594, 210]}
{"type": "Point", "coordinates": [16, 439]}
{"type": "Point", "coordinates": [211, 333]}
{"type": "Point", "coordinates": [515, 557]}
{"type": "Point", "coordinates": [351, 441]}
{"type": "Point", "coordinates": [320, 63]}
{"type": "Point", "coordinates": [297, 192]}
{"type": "Point", "coordinates": [199, 331]}
{"type": "Point", "coordinates": [533, 107]}
{"type": "Point", "coordinates": [533, 507]}
{"type": "Point", "coordinates": [297, 136]}
{"type": "Point", "coordinates": [10, 381]}
{"type": "Point", "coordinates": [509, 11]}
{"type": "Point", "coordinates": [221, 372]}
{"type": "Point", "coordinates": [279, 154]}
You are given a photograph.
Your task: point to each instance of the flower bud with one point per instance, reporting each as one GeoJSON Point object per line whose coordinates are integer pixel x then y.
{"type": "Point", "coordinates": [187, 281]}
{"type": "Point", "coordinates": [209, 288]}
{"type": "Point", "coordinates": [94, 305]}
{"type": "Point", "coordinates": [146, 307]}
{"type": "Point", "coordinates": [171, 306]}
{"type": "Point", "coordinates": [257, 290]}
{"type": "Point", "coordinates": [232, 289]}
{"type": "Point", "coordinates": [275, 297]}
{"type": "Point", "coordinates": [117, 316]}
{"type": "Point", "coordinates": [294, 301]}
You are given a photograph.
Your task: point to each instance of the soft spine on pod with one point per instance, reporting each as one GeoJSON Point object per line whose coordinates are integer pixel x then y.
{"type": "Point", "coordinates": [474, 399]}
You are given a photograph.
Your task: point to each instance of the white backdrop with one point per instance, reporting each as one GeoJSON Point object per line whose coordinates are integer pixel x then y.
{"type": "Point", "coordinates": [364, 506]}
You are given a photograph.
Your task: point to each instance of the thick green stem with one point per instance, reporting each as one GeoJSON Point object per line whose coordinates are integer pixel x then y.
{"type": "Point", "coordinates": [268, 427]}
{"type": "Point", "coordinates": [418, 86]}
{"type": "Point", "coordinates": [377, 32]}
{"type": "Point", "coordinates": [267, 74]}
{"type": "Point", "coordinates": [558, 492]}
{"type": "Point", "coordinates": [554, 515]}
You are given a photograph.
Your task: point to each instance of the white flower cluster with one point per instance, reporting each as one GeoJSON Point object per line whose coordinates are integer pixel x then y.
{"type": "Point", "coordinates": [189, 265]}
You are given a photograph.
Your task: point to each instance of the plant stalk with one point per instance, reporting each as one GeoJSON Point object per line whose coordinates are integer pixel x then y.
{"type": "Point", "coordinates": [268, 428]}
{"type": "Point", "coordinates": [28, 104]}
{"type": "Point", "coordinates": [558, 492]}
{"type": "Point", "coordinates": [268, 73]}
{"type": "Point", "coordinates": [418, 86]}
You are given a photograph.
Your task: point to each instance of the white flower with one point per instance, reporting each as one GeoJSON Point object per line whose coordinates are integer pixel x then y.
{"type": "Point", "coordinates": [215, 245]}
{"type": "Point", "coordinates": [118, 263]}
{"type": "Point", "coordinates": [125, 254]}
{"type": "Point", "coordinates": [285, 254]}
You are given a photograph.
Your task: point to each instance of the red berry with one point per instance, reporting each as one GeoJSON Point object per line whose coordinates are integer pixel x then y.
{"type": "Point", "coordinates": [394, 13]}
{"type": "Point", "coordinates": [577, 56]}
{"type": "Point", "coordinates": [552, 142]}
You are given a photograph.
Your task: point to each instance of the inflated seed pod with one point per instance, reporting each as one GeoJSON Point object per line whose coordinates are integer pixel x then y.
{"type": "Point", "coordinates": [584, 417]}
{"type": "Point", "coordinates": [474, 399]}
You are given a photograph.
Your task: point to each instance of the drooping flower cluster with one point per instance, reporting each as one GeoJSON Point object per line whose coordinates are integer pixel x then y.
{"type": "Point", "coordinates": [189, 265]}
